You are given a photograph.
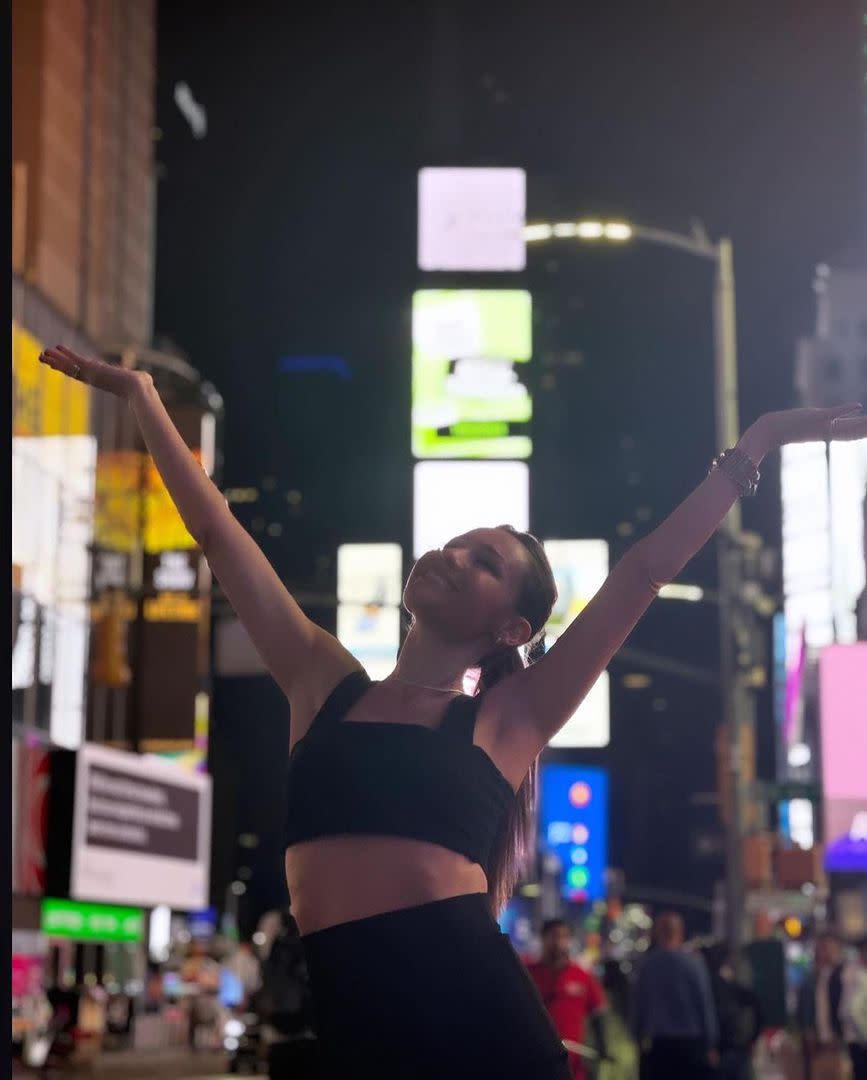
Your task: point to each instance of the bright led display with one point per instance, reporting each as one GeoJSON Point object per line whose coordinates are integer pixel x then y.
{"type": "Point", "coordinates": [369, 579]}
{"type": "Point", "coordinates": [453, 497]}
{"type": "Point", "coordinates": [53, 479]}
{"type": "Point", "coordinates": [823, 556]}
{"type": "Point", "coordinates": [372, 634]}
{"type": "Point", "coordinates": [369, 574]}
{"type": "Point", "coordinates": [471, 219]}
{"type": "Point", "coordinates": [468, 400]}
{"type": "Point", "coordinates": [843, 719]}
{"type": "Point", "coordinates": [580, 567]}
{"type": "Point", "coordinates": [573, 825]}
{"type": "Point", "coordinates": [806, 543]}
{"type": "Point", "coordinates": [848, 475]}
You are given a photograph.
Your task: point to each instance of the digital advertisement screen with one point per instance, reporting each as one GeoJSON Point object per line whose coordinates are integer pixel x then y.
{"type": "Point", "coordinates": [580, 568]}
{"type": "Point", "coordinates": [471, 219]}
{"type": "Point", "coordinates": [842, 697]}
{"type": "Point", "coordinates": [848, 476]}
{"type": "Point", "coordinates": [369, 574]}
{"type": "Point", "coordinates": [470, 349]}
{"type": "Point", "coordinates": [573, 825]}
{"type": "Point", "coordinates": [91, 922]}
{"type": "Point", "coordinates": [372, 634]}
{"type": "Point", "coordinates": [141, 831]}
{"type": "Point", "coordinates": [806, 544]}
{"type": "Point", "coordinates": [454, 497]}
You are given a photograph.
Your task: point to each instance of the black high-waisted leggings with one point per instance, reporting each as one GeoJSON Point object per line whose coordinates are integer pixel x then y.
{"type": "Point", "coordinates": [429, 991]}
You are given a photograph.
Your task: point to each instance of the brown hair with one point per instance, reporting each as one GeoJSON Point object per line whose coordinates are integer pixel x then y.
{"type": "Point", "coordinates": [515, 845]}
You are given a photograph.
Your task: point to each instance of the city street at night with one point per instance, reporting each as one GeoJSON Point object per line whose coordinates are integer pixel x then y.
{"type": "Point", "coordinates": [439, 540]}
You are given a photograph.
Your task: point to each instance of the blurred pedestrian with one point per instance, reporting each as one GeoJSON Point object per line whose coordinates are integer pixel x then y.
{"type": "Point", "coordinates": [819, 1021]}
{"type": "Point", "coordinates": [411, 802]}
{"type": "Point", "coordinates": [202, 974]}
{"type": "Point", "coordinates": [673, 1015]}
{"type": "Point", "coordinates": [853, 1011]}
{"type": "Point", "coordinates": [738, 1014]}
{"type": "Point", "coordinates": [245, 966]}
{"type": "Point", "coordinates": [571, 994]}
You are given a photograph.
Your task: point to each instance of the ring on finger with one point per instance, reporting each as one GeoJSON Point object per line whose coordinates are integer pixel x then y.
{"type": "Point", "coordinates": [76, 371]}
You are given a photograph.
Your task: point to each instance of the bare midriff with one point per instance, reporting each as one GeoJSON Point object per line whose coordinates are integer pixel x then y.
{"type": "Point", "coordinates": [341, 878]}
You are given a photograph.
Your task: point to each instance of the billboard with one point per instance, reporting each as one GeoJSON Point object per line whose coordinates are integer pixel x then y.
{"type": "Point", "coordinates": [91, 922]}
{"type": "Point", "coordinates": [580, 568]}
{"type": "Point", "coordinates": [52, 529]}
{"type": "Point", "coordinates": [843, 719]}
{"type": "Point", "coordinates": [573, 825]}
{"type": "Point", "coordinates": [470, 350]}
{"type": "Point", "coordinates": [369, 580]}
{"type": "Point", "coordinates": [471, 219]}
{"type": "Point", "coordinates": [141, 831]}
{"type": "Point", "coordinates": [453, 497]}
{"type": "Point", "coordinates": [369, 574]}
{"type": "Point", "coordinates": [823, 490]}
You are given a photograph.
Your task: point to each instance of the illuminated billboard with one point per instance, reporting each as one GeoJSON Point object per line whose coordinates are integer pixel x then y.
{"type": "Point", "coordinates": [573, 825]}
{"type": "Point", "coordinates": [369, 574]}
{"type": "Point", "coordinates": [843, 718]}
{"type": "Point", "coordinates": [468, 397]}
{"type": "Point", "coordinates": [52, 531]}
{"type": "Point", "coordinates": [453, 497]}
{"type": "Point", "coordinates": [369, 580]}
{"type": "Point", "coordinates": [471, 219]}
{"type": "Point", "coordinates": [848, 480]}
{"type": "Point", "coordinates": [823, 490]}
{"type": "Point", "coordinates": [372, 634]}
{"type": "Point", "coordinates": [580, 568]}
{"type": "Point", "coordinates": [141, 831]}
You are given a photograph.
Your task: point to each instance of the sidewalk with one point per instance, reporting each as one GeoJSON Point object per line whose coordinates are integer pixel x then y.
{"type": "Point", "coordinates": [174, 1064]}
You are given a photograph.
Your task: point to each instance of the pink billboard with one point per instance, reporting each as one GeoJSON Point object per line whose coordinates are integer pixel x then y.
{"type": "Point", "coordinates": [843, 713]}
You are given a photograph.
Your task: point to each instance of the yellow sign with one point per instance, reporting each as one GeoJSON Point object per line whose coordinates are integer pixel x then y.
{"type": "Point", "coordinates": [117, 522]}
{"type": "Point", "coordinates": [164, 529]}
{"type": "Point", "coordinates": [171, 607]}
{"type": "Point", "coordinates": [133, 506]}
{"type": "Point", "coordinates": [44, 401]}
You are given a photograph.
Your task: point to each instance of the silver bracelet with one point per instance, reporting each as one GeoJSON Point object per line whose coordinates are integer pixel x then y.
{"type": "Point", "coordinates": [742, 472]}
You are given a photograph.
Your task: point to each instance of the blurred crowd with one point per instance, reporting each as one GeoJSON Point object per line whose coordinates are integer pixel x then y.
{"type": "Point", "coordinates": [682, 1009]}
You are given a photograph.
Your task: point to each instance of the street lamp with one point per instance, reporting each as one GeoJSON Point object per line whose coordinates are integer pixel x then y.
{"type": "Point", "coordinates": [738, 703]}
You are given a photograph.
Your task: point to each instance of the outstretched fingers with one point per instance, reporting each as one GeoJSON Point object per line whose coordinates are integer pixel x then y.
{"type": "Point", "coordinates": [848, 428]}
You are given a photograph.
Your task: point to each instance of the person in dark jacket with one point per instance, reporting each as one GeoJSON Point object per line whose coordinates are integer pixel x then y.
{"type": "Point", "coordinates": [673, 1015]}
{"type": "Point", "coordinates": [738, 1012]}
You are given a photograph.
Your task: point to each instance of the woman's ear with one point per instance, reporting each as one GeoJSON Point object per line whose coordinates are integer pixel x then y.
{"type": "Point", "coordinates": [517, 631]}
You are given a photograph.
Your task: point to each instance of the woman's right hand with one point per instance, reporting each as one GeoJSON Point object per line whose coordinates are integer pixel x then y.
{"type": "Point", "coordinates": [114, 379]}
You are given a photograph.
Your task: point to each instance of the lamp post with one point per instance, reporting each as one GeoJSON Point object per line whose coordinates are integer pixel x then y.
{"type": "Point", "coordinates": [738, 703]}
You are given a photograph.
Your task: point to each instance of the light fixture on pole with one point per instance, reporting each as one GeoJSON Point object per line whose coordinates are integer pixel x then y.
{"type": "Point", "coordinates": [738, 702]}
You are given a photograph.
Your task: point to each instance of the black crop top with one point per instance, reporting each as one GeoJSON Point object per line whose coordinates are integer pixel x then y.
{"type": "Point", "coordinates": [392, 779]}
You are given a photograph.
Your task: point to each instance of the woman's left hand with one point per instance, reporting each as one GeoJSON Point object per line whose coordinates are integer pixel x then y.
{"type": "Point", "coordinates": [843, 423]}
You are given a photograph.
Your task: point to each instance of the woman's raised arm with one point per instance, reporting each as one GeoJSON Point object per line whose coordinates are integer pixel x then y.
{"type": "Point", "coordinates": [534, 704]}
{"type": "Point", "coordinates": [290, 644]}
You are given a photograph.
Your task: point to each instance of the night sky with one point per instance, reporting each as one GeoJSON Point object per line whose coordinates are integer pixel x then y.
{"type": "Point", "coordinates": [290, 229]}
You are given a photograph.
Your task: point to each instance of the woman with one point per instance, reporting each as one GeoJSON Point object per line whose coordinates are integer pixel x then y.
{"type": "Point", "coordinates": [409, 801]}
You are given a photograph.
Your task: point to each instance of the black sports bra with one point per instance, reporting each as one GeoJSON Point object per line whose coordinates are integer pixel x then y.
{"type": "Point", "coordinates": [392, 779]}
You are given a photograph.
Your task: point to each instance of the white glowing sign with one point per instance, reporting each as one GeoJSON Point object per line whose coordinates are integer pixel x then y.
{"type": "Point", "coordinates": [580, 568]}
{"type": "Point", "coordinates": [454, 497]}
{"type": "Point", "coordinates": [369, 579]}
{"type": "Point", "coordinates": [471, 219]}
{"type": "Point", "coordinates": [823, 491]}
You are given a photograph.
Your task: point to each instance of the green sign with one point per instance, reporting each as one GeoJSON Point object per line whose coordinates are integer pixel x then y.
{"type": "Point", "coordinates": [92, 922]}
{"type": "Point", "coordinates": [469, 347]}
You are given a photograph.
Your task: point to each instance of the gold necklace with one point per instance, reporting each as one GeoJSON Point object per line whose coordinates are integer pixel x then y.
{"type": "Point", "coordinates": [422, 686]}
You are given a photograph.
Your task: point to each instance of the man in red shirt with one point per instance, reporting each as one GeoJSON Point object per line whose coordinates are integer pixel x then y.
{"type": "Point", "coordinates": [571, 994]}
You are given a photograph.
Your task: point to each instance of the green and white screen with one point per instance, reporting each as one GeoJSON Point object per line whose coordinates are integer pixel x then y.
{"type": "Point", "coordinates": [470, 351]}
